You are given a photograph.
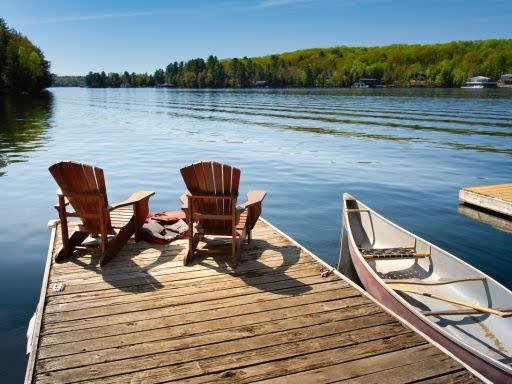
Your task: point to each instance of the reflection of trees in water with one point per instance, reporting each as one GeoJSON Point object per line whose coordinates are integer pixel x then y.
{"type": "Point", "coordinates": [24, 122]}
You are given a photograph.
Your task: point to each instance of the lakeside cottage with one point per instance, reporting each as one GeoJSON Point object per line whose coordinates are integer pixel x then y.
{"type": "Point", "coordinates": [365, 83]}
{"type": "Point", "coordinates": [420, 79]}
{"type": "Point", "coordinates": [165, 85]}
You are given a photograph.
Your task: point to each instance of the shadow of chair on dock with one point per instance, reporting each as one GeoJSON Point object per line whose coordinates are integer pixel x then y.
{"type": "Point", "coordinates": [124, 273]}
{"type": "Point", "coordinates": [268, 274]}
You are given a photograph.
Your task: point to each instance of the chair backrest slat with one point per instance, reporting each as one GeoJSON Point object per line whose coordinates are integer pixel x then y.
{"type": "Point", "coordinates": [199, 185]}
{"type": "Point", "coordinates": [209, 180]}
{"type": "Point", "coordinates": [89, 179]}
{"type": "Point", "coordinates": [100, 180]}
{"type": "Point", "coordinates": [235, 181]}
{"type": "Point", "coordinates": [212, 178]}
{"type": "Point", "coordinates": [199, 172]}
{"type": "Point", "coordinates": [226, 175]}
{"type": "Point", "coordinates": [219, 190]}
{"type": "Point", "coordinates": [75, 177]}
{"type": "Point", "coordinates": [189, 178]}
{"type": "Point", "coordinates": [96, 179]}
{"type": "Point", "coordinates": [217, 174]}
{"type": "Point", "coordinates": [88, 184]}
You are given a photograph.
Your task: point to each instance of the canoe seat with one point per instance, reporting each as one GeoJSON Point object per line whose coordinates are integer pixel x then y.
{"type": "Point", "coordinates": [391, 253]}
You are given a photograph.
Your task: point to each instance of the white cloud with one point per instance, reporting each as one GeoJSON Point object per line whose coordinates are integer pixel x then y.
{"type": "Point", "coordinates": [105, 16]}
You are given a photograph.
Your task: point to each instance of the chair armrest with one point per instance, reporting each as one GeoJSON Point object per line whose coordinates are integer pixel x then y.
{"type": "Point", "coordinates": [254, 197]}
{"type": "Point", "coordinates": [66, 201]}
{"type": "Point", "coordinates": [135, 198]}
{"type": "Point", "coordinates": [184, 200]}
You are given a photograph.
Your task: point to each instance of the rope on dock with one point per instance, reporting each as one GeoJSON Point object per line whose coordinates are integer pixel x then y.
{"type": "Point", "coordinates": [327, 272]}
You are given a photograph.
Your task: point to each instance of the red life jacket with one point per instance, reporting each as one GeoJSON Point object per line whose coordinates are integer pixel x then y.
{"type": "Point", "coordinates": [165, 227]}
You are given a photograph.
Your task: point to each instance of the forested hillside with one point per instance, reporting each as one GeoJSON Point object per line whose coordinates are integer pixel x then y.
{"type": "Point", "coordinates": [23, 68]}
{"type": "Point", "coordinates": [445, 65]}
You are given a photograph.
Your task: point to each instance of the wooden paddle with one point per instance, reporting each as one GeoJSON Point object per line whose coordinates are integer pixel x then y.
{"type": "Point", "coordinates": [478, 308]}
{"type": "Point", "coordinates": [458, 312]}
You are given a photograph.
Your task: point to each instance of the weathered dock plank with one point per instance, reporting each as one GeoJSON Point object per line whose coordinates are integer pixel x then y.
{"type": "Point", "coordinates": [497, 198]}
{"type": "Point", "coordinates": [277, 318]}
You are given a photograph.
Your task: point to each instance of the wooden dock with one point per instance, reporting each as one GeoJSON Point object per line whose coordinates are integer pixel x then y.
{"type": "Point", "coordinates": [497, 198]}
{"type": "Point", "coordinates": [283, 316]}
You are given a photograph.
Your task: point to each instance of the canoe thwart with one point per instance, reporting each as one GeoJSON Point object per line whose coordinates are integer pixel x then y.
{"type": "Point", "coordinates": [392, 253]}
{"type": "Point", "coordinates": [356, 210]}
{"type": "Point", "coordinates": [440, 281]}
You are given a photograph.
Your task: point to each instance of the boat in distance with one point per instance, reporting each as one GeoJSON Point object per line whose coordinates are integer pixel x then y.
{"type": "Point", "coordinates": [454, 304]}
{"type": "Point", "coordinates": [480, 82]}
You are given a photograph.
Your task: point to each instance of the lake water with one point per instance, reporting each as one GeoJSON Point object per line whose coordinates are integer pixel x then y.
{"type": "Point", "coordinates": [405, 153]}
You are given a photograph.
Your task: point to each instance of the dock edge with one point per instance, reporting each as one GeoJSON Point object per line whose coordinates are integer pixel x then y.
{"type": "Point", "coordinates": [367, 295]}
{"type": "Point", "coordinates": [484, 201]}
{"type": "Point", "coordinates": [34, 340]}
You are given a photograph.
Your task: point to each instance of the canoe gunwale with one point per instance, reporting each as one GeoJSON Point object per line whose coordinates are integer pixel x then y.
{"type": "Point", "coordinates": [354, 249]}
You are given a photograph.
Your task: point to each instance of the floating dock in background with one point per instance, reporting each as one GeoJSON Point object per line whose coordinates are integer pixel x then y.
{"type": "Point", "coordinates": [283, 316]}
{"type": "Point", "coordinates": [497, 198]}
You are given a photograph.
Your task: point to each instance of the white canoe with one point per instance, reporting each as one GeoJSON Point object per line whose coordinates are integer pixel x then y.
{"type": "Point", "coordinates": [456, 305]}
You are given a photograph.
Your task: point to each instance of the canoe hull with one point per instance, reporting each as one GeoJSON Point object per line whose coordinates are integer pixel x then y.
{"type": "Point", "coordinates": [376, 288]}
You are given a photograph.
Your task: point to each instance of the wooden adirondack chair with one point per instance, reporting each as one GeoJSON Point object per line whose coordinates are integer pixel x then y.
{"type": "Point", "coordinates": [210, 204]}
{"type": "Point", "coordinates": [83, 186]}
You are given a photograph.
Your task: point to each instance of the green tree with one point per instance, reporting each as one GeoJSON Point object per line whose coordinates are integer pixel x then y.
{"type": "Point", "coordinates": [307, 77]}
{"type": "Point", "coordinates": [159, 76]}
{"type": "Point", "coordinates": [23, 68]}
{"type": "Point", "coordinates": [114, 80]}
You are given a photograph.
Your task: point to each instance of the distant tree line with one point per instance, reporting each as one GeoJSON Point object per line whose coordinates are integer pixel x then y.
{"type": "Point", "coordinates": [68, 81]}
{"type": "Point", "coordinates": [23, 68]}
{"type": "Point", "coordinates": [116, 80]}
{"type": "Point", "coordinates": [443, 65]}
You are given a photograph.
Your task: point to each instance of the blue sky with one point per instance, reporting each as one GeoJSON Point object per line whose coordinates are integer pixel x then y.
{"type": "Point", "coordinates": [141, 36]}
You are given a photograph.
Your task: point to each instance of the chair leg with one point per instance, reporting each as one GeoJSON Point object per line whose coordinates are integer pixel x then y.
{"type": "Point", "coordinates": [193, 241]}
{"type": "Point", "coordinates": [193, 235]}
{"type": "Point", "coordinates": [234, 249]}
{"type": "Point", "coordinates": [235, 246]}
{"type": "Point", "coordinates": [66, 247]}
{"type": "Point", "coordinates": [65, 250]}
{"type": "Point", "coordinates": [118, 242]}
{"type": "Point", "coordinates": [239, 242]}
{"type": "Point", "coordinates": [140, 212]}
{"type": "Point", "coordinates": [68, 243]}
{"type": "Point", "coordinates": [190, 247]}
{"type": "Point", "coordinates": [104, 240]}
{"type": "Point", "coordinates": [134, 227]}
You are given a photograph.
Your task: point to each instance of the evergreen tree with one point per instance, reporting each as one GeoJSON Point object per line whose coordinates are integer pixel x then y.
{"type": "Point", "coordinates": [159, 76]}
